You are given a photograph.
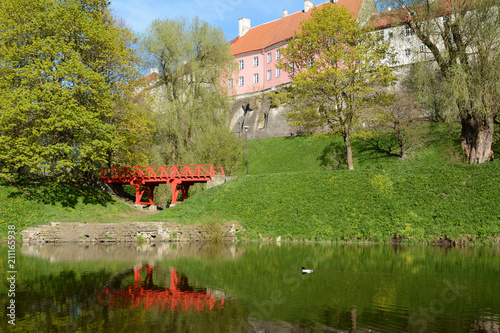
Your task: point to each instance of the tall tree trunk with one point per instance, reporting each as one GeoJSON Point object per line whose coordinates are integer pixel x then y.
{"type": "Point", "coordinates": [347, 141]}
{"type": "Point", "coordinates": [477, 137]}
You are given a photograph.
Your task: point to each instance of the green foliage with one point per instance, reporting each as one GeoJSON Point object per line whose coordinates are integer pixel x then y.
{"type": "Point", "coordinates": [334, 155]}
{"type": "Point", "coordinates": [215, 231]}
{"type": "Point", "coordinates": [336, 69]}
{"type": "Point", "coordinates": [189, 102]}
{"type": "Point", "coordinates": [427, 90]}
{"type": "Point", "coordinates": [459, 84]}
{"type": "Point", "coordinates": [65, 65]}
{"type": "Point", "coordinates": [134, 126]}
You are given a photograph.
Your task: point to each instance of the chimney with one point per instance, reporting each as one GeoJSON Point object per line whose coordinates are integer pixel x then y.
{"type": "Point", "coordinates": [308, 5]}
{"type": "Point", "coordinates": [243, 25]}
{"type": "Point", "coordinates": [285, 12]}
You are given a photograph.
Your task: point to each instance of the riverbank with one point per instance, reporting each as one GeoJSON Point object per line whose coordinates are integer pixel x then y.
{"type": "Point", "coordinates": [442, 205]}
{"type": "Point", "coordinates": [150, 232]}
{"type": "Point", "coordinates": [458, 204]}
{"type": "Point", "coordinates": [426, 198]}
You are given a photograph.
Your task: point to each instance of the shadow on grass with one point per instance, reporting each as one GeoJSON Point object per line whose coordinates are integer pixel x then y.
{"type": "Point", "coordinates": [51, 191]}
{"type": "Point", "coordinates": [378, 148]}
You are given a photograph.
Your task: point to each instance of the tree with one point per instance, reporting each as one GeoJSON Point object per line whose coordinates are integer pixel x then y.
{"type": "Point", "coordinates": [397, 118]}
{"type": "Point", "coordinates": [463, 38]}
{"type": "Point", "coordinates": [190, 102]}
{"type": "Point", "coordinates": [337, 71]}
{"type": "Point", "coordinates": [64, 66]}
{"type": "Point", "coordinates": [132, 116]}
{"type": "Point", "coordinates": [426, 87]}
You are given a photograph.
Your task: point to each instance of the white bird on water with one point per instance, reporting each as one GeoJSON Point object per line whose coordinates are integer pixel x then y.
{"type": "Point", "coordinates": [306, 271]}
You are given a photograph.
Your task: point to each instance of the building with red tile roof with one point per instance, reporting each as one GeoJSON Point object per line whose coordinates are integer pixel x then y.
{"type": "Point", "coordinates": [256, 50]}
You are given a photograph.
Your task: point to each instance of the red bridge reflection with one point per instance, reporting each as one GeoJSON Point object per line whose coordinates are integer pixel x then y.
{"type": "Point", "coordinates": [144, 294]}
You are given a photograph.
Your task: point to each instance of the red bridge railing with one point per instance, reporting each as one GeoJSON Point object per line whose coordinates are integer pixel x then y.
{"type": "Point", "coordinates": [146, 178]}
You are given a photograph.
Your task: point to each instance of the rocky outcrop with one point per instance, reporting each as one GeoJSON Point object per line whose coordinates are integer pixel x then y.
{"type": "Point", "coordinates": [262, 118]}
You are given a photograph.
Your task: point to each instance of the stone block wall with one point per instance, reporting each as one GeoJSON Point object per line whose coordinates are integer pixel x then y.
{"type": "Point", "coordinates": [56, 232]}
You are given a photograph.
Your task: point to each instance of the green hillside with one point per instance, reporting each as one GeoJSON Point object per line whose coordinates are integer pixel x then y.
{"type": "Point", "coordinates": [289, 193]}
{"type": "Point", "coordinates": [295, 190]}
{"type": "Point", "coordinates": [32, 201]}
{"type": "Point", "coordinates": [419, 204]}
{"type": "Point", "coordinates": [429, 144]}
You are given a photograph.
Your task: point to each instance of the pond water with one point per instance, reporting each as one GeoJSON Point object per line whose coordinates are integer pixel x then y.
{"type": "Point", "coordinates": [251, 287]}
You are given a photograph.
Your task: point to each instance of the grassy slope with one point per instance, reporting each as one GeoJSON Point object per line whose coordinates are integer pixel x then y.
{"type": "Point", "coordinates": [56, 202]}
{"type": "Point", "coordinates": [419, 204]}
{"type": "Point", "coordinates": [290, 194]}
{"type": "Point", "coordinates": [424, 197]}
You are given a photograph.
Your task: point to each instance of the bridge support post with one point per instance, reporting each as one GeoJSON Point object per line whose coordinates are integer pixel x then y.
{"type": "Point", "coordinates": [179, 186]}
{"type": "Point", "coordinates": [140, 188]}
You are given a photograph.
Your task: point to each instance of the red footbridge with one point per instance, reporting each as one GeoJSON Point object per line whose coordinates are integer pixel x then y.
{"type": "Point", "coordinates": [146, 178]}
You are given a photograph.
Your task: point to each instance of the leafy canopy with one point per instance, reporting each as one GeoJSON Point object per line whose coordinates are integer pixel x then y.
{"type": "Point", "coordinates": [189, 101]}
{"type": "Point", "coordinates": [63, 66]}
{"type": "Point", "coordinates": [463, 39]}
{"type": "Point", "coordinates": [337, 69]}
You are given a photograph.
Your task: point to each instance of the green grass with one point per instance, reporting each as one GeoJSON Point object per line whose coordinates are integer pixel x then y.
{"type": "Point", "coordinates": [291, 193]}
{"type": "Point", "coordinates": [431, 144]}
{"type": "Point", "coordinates": [417, 204]}
{"type": "Point", "coordinates": [54, 202]}
{"type": "Point", "coordinates": [296, 190]}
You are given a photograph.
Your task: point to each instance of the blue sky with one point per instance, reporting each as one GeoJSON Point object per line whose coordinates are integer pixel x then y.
{"type": "Point", "coordinates": [220, 13]}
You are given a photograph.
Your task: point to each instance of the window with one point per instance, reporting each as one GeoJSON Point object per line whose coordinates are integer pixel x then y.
{"type": "Point", "coordinates": [230, 83]}
{"type": "Point", "coordinates": [269, 74]}
{"type": "Point", "coordinates": [422, 48]}
{"type": "Point", "coordinates": [391, 34]}
{"type": "Point", "coordinates": [256, 78]}
{"type": "Point", "coordinates": [278, 72]}
{"type": "Point", "coordinates": [310, 62]}
{"type": "Point", "coordinates": [255, 61]}
{"type": "Point", "coordinates": [408, 52]}
{"type": "Point", "coordinates": [241, 81]}
{"type": "Point", "coordinates": [292, 67]}
{"type": "Point", "coordinates": [242, 64]}
{"type": "Point", "coordinates": [269, 57]}
{"type": "Point", "coordinates": [409, 31]}
{"type": "Point", "coordinates": [278, 54]}
{"type": "Point", "coordinates": [445, 18]}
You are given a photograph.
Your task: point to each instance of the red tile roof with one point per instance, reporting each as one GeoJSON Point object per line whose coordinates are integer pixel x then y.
{"type": "Point", "coordinates": [151, 77]}
{"type": "Point", "coordinates": [280, 30]}
{"type": "Point", "coordinates": [398, 16]}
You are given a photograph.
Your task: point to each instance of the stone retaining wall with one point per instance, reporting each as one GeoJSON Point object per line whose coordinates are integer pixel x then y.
{"type": "Point", "coordinates": [219, 180]}
{"type": "Point", "coordinates": [56, 232]}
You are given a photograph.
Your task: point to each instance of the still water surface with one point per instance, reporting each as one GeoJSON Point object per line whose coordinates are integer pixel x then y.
{"type": "Point", "coordinates": [247, 287]}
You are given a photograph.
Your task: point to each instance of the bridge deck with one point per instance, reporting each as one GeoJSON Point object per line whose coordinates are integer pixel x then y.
{"type": "Point", "coordinates": [146, 178]}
